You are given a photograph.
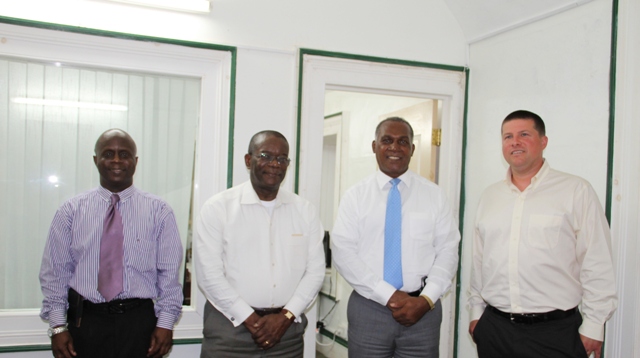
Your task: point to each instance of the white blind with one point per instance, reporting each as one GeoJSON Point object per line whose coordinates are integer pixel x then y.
{"type": "Point", "coordinates": [41, 142]}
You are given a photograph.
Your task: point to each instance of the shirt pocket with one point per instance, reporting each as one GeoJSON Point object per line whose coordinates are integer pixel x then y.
{"type": "Point", "coordinates": [421, 233]}
{"type": "Point", "coordinates": [296, 250]}
{"type": "Point", "coordinates": [143, 257]}
{"type": "Point", "coordinates": [544, 231]}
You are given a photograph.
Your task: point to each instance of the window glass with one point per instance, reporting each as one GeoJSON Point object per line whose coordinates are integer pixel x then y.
{"type": "Point", "coordinates": [50, 117]}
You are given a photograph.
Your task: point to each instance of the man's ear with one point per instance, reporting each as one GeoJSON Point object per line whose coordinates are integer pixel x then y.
{"type": "Point", "coordinates": [247, 160]}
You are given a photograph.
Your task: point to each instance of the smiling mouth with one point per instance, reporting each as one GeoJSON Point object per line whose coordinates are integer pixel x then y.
{"type": "Point", "coordinates": [393, 157]}
{"type": "Point", "coordinates": [517, 152]}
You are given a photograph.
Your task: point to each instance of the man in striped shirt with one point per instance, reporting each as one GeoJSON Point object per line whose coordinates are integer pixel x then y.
{"type": "Point", "coordinates": [138, 321]}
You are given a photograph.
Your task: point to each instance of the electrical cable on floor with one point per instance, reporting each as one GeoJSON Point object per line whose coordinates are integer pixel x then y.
{"type": "Point", "coordinates": [320, 325]}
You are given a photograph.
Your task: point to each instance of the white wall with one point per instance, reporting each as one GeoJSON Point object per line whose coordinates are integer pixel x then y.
{"type": "Point", "coordinates": [557, 67]}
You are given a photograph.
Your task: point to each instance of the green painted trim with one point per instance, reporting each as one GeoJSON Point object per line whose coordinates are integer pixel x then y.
{"type": "Point", "coordinates": [341, 341]}
{"type": "Point", "coordinates": [612, 106]}
{"type": "Point", "coordinates": [89, 31]}
{"type": "Point", "coordinates": [306, 51]}
{"type": "Point", "coordinates": [463, 189]}
{"type": "Point", "coordinates": [185, 341]}
{"type": "Point", "coordinates": [296, 182]}
{"type": "Point", "coordinates": [612, 117]}
{"type": "Point", "coordinates": [326, 295]}
{"type": "Point", "coordinates": [333, 115]}
{"type": "Point", "coordinates": [30, 348]}
{"type": "Point", "coordinates": [232, 118]}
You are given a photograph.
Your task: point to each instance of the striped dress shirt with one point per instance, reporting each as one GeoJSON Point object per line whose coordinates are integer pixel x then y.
{"type": "Point", "coordinates": [152, 253]}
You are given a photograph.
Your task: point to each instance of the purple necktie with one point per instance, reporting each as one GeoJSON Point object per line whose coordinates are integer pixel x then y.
{"type": "Point", "coordinates": [111, 253]}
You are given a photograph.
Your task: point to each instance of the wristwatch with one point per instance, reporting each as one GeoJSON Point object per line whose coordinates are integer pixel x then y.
{"type": "Point", "coordinates": [289, 315]}
{"type": "Point", "coordinates": [53, 331]}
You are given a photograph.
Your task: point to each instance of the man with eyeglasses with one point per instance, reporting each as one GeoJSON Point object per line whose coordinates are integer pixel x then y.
{"type": "Point", "coordinates": [259, 260]}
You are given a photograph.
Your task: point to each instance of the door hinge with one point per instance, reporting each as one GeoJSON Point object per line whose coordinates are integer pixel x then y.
{"type": "Point", "coordinates": [436, 137]}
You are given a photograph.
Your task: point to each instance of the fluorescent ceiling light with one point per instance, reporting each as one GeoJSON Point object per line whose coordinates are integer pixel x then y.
{"type": "Point", "coordinates": [182, 5]}
{"type": "Point", "coordinates": [58, 103]}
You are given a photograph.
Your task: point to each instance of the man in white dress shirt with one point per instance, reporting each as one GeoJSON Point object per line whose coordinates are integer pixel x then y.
{"type": "Point", "coordinates": [395, 308]}
{"type": "Point", "coordinates": [541, 248]}
{"type": "Point", "coordinates": [259, 260]}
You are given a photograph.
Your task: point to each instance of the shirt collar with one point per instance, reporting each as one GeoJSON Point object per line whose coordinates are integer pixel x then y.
{"type": "Point", "coordinates": [535, 181]}
{"type": "Point", "coordinates": [249, 196]}
{"type": "Point", "coordinates": [383, 179]}
{"type": "Point", "coordinates": [124, 195]}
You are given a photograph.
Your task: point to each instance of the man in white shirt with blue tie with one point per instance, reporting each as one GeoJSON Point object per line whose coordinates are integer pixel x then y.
{"type": "Point", "coordinates": [395, 241]}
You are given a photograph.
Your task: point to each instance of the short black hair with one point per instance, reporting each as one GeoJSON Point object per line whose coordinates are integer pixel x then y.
{"type": "Point", "coordinates": [267, 133]}
{"type": "Point", "coordinates": [395, 119]}
{"type": "Point", "coordinates": [538, 123]}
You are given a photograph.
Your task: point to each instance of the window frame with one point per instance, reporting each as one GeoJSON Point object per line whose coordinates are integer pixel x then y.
{"type": "Point", "coordinates": [22, 329]}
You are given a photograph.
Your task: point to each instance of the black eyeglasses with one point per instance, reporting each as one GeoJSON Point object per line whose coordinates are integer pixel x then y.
{"type": "Point", "coordinates": [268, 158]}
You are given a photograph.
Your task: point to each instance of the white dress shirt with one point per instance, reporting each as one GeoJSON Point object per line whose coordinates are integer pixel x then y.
{"type": "Point", "coordinates": [247, 258]}
{"type": "Point", "coordinates": [429, 237]}
{"type": "Point", "coordinates": [542, 249]}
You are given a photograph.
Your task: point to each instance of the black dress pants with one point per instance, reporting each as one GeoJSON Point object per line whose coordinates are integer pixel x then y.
{"type": "Point", "coordinates": [112, 335]}
{"type": "Point", "coordinates": [497, 337]}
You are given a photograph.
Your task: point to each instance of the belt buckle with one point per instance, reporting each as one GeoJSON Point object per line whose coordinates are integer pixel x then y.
{"type": "Point", "coordinates": [524, 318]}
{"type": "Point", "coordinates": [116, 308]}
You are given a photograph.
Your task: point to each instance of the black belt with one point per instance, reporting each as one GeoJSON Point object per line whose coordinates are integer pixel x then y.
{"type": "Point", "coordinates": [533, 318]}
{"type": "Point", "coordinates": [415, 293]}
{"type": "Point", "coordinates": [77, 304]}
{"type": "Point", "coordinates": [115, 306]}
{"type": "Point", "coordinates": [266, 311]}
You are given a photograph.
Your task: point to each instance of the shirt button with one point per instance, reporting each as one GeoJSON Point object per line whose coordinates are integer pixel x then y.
{"type": "Point", "coordinates": [232, 319]}
{"type": "Point", "coordinates": [274, 285]}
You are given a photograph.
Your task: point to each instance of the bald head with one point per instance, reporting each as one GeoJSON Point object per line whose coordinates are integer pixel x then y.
{"type": "Point", "coordinates": [112, 133]}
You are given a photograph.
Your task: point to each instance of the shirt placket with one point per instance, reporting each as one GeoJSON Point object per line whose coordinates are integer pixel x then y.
{"type": "Point", "coordinates": [514, 246]}
{"type": "Point", "coordinates": [272, 247]}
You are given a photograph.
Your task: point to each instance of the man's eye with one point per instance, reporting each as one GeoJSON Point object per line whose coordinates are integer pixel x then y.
{"type": "Point", "coordinates": [107, 155]}
{"type": "Point", "coordinates": [124, 155]}
{"type": "Point", "coordinates": [265, 156]}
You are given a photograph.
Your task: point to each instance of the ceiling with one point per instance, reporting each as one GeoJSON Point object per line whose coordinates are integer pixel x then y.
{"type": "Point", "coordinates": [481, 19]}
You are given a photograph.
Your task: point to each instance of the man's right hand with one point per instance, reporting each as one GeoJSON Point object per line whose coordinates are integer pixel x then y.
{"type": "Point", "coordinates": [472, 327]}
{"type": "Point", "coordinates": [252, 323]}
{"type": "Point", "coordinates": [62, 345]}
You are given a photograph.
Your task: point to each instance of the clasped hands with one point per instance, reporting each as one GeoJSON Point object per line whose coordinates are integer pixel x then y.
{"type": "Point", "coordinates": [407, 310]}
{"type": "Point", "coordinates": [267, 331]}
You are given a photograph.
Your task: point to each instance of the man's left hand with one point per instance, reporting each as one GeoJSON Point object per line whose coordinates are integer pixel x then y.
{"type": "Point", "coordinates": [161, 342]}
{"type": "Point", "coordinates": [271, 329]}
{"type": "Point", "coordinates": [409, 311]}
{"type": "Point", "coordinates": [591, 345]}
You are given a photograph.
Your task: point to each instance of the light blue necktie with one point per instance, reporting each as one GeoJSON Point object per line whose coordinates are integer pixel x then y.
{"type": "Point", "coordinates": [393, 237]}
